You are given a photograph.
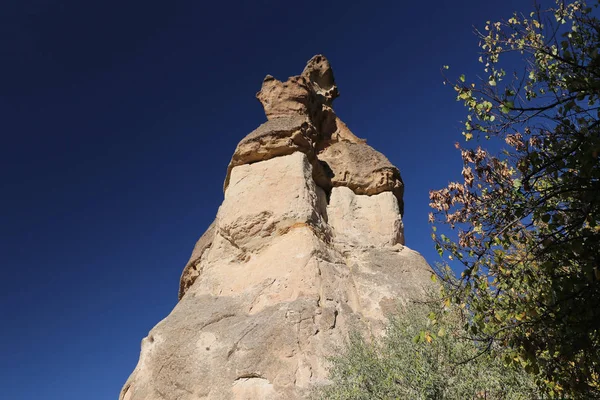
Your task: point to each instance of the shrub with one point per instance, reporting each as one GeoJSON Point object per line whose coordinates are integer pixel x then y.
{"type": "Point", "coordinates": [422, 358]}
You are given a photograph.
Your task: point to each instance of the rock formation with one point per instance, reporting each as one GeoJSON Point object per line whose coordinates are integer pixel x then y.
{"type": "Point", "coordinates": [307, 245]}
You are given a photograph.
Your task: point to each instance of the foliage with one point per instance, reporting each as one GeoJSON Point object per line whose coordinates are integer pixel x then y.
{"type": "Point", "coordinates": [417, 359]}
{"type": "Point", "coordinates": [525, 223]}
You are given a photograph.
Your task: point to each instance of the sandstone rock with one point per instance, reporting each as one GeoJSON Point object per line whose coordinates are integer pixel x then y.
{"type": "Point", "coordinates": [361, 220]}
{"type": "Point", "coordinates": [320, 75]}
{"type": "Point", "coordinates": [341, 132]}
{"type": "Point", "coordinates": [283, 99]}
{"type": "Point", "coordinates": [383, 276]}
{"type": "Point", "coordinates": [305, 94]}
{"type": "Point", "coordinates": [280, 137]}
{"type": "Point", "coordinates": [306, 246]}
{"type": "Point", "coordinates": [267, 198]}
{"type": "Point", "coordinates": [208, 349]}
{"type": "Point", "coordinates": [191, 270]}
{"type": "Point", "coordinates": [265, 326]}
{"type": "Point", "coordinates": [274, 138]}
{"type": "Point", "coordinates": [363, 169]}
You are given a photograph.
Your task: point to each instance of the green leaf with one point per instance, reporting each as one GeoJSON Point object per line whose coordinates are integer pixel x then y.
{"type": "Point", "coordinates": [439, 250]}
{"type": "Point", "coordinates": [506, 106]}
{"type": "Point", "coordinates": [462, 78]}
{"type": "Point", "coordinates": [517, 183]}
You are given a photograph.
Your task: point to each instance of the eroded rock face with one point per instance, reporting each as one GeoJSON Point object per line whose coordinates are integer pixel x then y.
{"type": "Point", "coordinates": [305, 94]}
{"type": "Point", "coordinates": [301, 118]}
{"type": "Point", "coordinates": [306, 246]}
{"type": "Point", "coordinates": [360, 220]}
{"type": "Point", "coordinates": [275, 138]}
{"type": "Point", "coordinates": [269, 198]}
{"type": "Point", "coordinates": [193, 268]}
{"type": "Point", "coordinates": [362, 169]}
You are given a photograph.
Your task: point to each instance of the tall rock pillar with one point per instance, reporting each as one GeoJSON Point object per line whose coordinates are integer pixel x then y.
{"type": "Point", "coordinates": [307, 245]}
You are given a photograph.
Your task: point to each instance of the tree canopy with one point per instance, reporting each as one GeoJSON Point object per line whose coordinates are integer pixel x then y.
{"type": "Point", "coordinates": [523, 223]}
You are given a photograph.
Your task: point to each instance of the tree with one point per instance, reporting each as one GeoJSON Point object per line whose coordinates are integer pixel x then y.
{"type": "Point", "coordinates": [418, 359]}
{"type": "Point", "coordinates": [524, 222]}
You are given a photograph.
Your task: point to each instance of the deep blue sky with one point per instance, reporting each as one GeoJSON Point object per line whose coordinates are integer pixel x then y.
{"type": "Point", "coordinates": [118, 119]}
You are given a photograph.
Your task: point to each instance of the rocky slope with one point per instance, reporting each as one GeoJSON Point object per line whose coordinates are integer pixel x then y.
{"type": "Point", "coordinates": [307, 245]}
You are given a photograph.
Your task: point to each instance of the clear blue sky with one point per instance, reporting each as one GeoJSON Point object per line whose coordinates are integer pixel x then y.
{"type": "Point", "coordinates": [118, 120]}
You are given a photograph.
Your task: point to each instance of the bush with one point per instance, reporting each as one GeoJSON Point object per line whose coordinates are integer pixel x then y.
{"type": "Point", "coordinates": [422, 358]}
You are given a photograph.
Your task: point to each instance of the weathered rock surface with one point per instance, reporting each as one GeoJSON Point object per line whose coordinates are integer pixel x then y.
{"type": "Point", "coordinates": [192, 268]}
{"type": "Point", "coordinates": [363, 169]}
{"type": "Point", "coordinates": [304, 95]}
{"type": "Point", "coordinates": [269, 198]}
{"type": "Point", "coordinates": [279, 137]}
{"type": "Point", "coordinates": [306, 246]}
{"type": "Point", "coordinates": [360, 220]}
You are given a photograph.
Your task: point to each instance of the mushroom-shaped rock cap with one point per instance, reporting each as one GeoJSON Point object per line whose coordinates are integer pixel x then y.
{"type": "Point", "coordinates": [276, 137]}
{"type": "Point", "coordinates": [363, 169]}
{"type": "Point", "coordinates": [300, 118]}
